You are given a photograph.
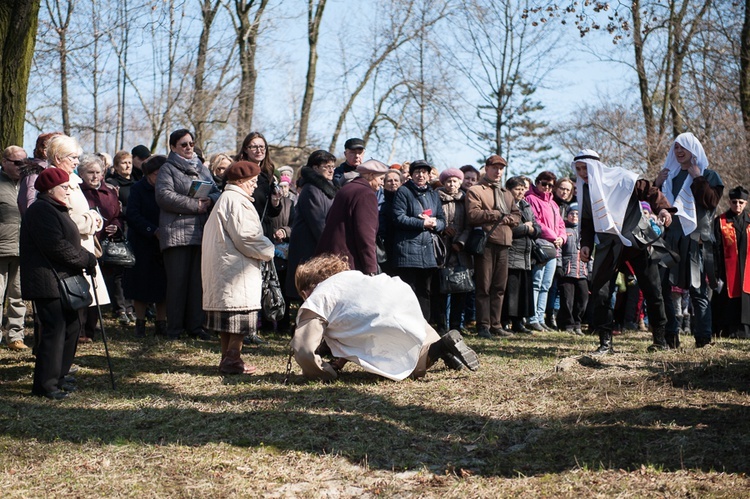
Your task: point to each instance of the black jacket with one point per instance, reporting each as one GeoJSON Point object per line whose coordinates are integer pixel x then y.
{"type": "Point", "coordinates": [49, 239]}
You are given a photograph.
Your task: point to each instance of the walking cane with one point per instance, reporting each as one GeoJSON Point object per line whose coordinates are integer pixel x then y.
{"type": "Point", "coordinates": [104, 335]}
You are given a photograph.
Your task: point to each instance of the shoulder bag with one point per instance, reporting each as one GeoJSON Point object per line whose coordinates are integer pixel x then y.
{"type": "Point", "coordinates": [117, 252]}
{"type": "Point", "coordinates": [543, 251]}
{"type": "Point", "coordinates": [455, 279]}
{"type": "Point", "coordinates": [272, 299]}
{"type": "Point", "coordinates": [75, 292]}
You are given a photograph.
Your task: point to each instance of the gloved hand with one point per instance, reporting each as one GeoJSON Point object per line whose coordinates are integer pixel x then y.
{"type": "Point", "coordinates": [91, 271]}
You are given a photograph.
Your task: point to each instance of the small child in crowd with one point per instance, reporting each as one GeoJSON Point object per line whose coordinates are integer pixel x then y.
{"type": "Point", "coordinates": [574, 286]}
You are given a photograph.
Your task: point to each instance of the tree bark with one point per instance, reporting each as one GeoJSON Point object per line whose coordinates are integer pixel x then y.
{"type": "Point", "coordinates": [18, 23]}
{"type": "Point", "coordinates": [652, 140]}
{"type": "Point", "coordinates": [314, 16]}
{"type": "Point", "coordinates": [200, 106]}
{"type": "Point", "coordinates": [745, 73]}
{"type": "Point", "coordinates": [247, 40]}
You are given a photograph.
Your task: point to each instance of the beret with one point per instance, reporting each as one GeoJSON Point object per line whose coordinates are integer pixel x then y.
{"type": "Point", "coordinates": [50, 178]}
{"type": "Point", "coordinates": [451, 172]}
{"type": "Point", "coordinates": [242, 169]}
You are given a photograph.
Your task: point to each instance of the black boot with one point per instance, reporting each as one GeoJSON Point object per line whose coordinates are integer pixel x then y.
{"type": "Point", "coordinates": [140, 328]}
{"type": "Point", "coordinates": [660, 342]}
{"type": "Point", "coordinates": [161, 328]}
{"type": "Point", "coordinates": [605, 343]}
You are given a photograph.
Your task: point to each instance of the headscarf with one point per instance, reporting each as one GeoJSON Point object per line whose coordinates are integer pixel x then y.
{"type": "Point", "coordinates": [609, 189]}
{"type": "Point", "coordinates": [684, 201]}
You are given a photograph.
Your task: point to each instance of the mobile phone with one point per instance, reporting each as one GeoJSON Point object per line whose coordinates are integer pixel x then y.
{"type": "Point", "coordinates": [427, 212]}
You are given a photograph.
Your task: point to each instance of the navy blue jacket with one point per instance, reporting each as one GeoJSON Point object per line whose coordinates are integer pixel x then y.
{"type": "Point", "coordinates": [412, 242]}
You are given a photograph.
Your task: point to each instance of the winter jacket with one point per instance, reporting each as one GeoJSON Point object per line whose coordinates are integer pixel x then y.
{"type": "Point", "coordinates": [233, 247]}
{"type": "Point", "coordinates": [10, 217]}
{"type": "Point", "coordinates": [547, 213]}
{"type": "Point", "coordinates": [519, 255]}
{"type": "Point", "coordinates": [413, 245]}
{"type": "Point", "coordinates": [49, 240]}
{"type": "Point", "coordinates": [572, 266]}
{"type": "Point", "coordinates": [314, 201]}
{"type": "Point", "coordinates": [454, 211]}
{"type": "Point", "coordinates": [123, 187]}
{"type": "Point", "coordinates": [104, 200]}
{"type": "Point", "coordinates": [352, 225]}
{"type": "Point", "coordinates": [483, 209]}
{"type": "Point", "coordinates": [180, 223]}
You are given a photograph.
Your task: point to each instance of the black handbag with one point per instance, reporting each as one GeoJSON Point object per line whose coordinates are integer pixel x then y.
{"type": "Point", "coordinates": [117, 252]}
{"type": "Point", "coordinates": [75, 292]}
{"type": "Point", "coordinates": [438, 248]}
{"type": "Point", "coordinates": [477, 240]}
{"type": "Point", "coordinates": [543, 251]}
{"type": "Point", "coordinates": [455, 280]}
{"type": "Point", "coordinates": [272, 299]}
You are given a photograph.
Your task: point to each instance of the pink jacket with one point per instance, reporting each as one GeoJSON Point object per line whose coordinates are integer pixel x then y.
{"type": "Point", "coordinates": [547, 213]}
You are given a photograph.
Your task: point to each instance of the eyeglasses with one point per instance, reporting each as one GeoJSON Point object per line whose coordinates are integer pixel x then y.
{"type": "Point", "coordinates": [257, 147]}
{"type": "Point", "coordinates": [546, 184]}
{"type": "Point", "coordinates": [64, 187]}
{"type": "Point", "coordinates": [17, 162]}
{"type": "Point", "coordinates": [186, 144]}
{"type": "Point", "coordinates": [73, 157]}
{"type": "Point", "coordinates": [326, 167]}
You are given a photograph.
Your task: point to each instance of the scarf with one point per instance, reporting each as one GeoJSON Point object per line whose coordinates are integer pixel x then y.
{"type": "Point", "coordinates": [190, 166]}
{"type": "Point", "coordinates": [610, 190]}
{"type": "Point", "coordinates": [684, 200]}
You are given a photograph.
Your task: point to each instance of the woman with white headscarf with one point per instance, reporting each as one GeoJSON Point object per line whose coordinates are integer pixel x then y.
{"type": "Point", "coordinates": [610, 207]}
{"type": "Point", "coordinates": [695, 191]}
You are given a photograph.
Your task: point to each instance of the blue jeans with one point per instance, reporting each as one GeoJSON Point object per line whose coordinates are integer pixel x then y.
{"type": "Point", "coordinates": [542, 276]}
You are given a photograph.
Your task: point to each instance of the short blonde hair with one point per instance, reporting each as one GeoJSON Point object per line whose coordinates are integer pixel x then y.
{"type": "Point", "coordinates": [60, 146]}
{"type": "Point", "coordinates": [318, 269]}
{"type": "Point", "coordinates": [121, 155]}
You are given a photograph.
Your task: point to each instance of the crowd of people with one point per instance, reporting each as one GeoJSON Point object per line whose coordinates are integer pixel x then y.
{"type": "Point", "coordinates": [363, 247]}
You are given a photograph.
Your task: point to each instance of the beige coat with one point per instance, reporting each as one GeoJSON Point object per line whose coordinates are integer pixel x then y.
{"type": "Point", "coordinates": [89, 222]}
{"type": "Point", "coordinates": [233, 247]}
{"type": "Point", "coordinates": [482, 209]}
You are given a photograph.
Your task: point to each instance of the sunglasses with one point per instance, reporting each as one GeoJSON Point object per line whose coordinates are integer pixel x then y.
{"type": "Point", "coordinates": [546, 184]}
{"type": "Point", "coordinates": [187, 144]}
{"type": "Point", "coordinates": [17, 162]}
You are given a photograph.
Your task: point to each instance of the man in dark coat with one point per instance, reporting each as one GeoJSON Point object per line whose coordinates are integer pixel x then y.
{"type": "Point", "coordinates": [352, 222]}
{"type": "Point", "coordinates": [732, 232]}
{"type": "Point", "coordinates": [615, 194]}
{"type": "Point", "coordinates": [354, 152]}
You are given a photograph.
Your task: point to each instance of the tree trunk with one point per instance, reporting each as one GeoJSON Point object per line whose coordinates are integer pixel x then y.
{"type": "Point", "coordinates": [745, 73]}
{"type": "Point", "coordinates": [652, 140]}
{"type": "Point", "coordinates": [247, 40]}
{"type": "Point", "coordinates": [200, 106]}
{"type": "Point", "coordinates": [314, 16]}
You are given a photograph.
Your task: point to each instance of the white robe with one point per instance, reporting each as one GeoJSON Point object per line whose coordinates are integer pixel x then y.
{"type": "Point", "coordinates": [373, 321]}
{"type": "Point", "coordinates": [684, 200]}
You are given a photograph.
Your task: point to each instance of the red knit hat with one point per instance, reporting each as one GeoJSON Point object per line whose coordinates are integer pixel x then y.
{"type": "Point", "coordinates": [50, 178]}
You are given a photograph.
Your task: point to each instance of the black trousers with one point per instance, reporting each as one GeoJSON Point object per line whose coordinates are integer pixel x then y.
{"type": "Point", "coordinates": [57, 344]}
{"type": "Point", "coordinates": [420, 281]}
{"type": "Point", "coordinates": [184, 289]}
{"type": "Point", "coordinates": [574, 296]}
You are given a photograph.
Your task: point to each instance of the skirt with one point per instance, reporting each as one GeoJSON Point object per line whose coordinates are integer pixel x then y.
{"type": "Point", "coordinates": [519, 295]}
{"type": "Point", "coordinates": [232, 321]}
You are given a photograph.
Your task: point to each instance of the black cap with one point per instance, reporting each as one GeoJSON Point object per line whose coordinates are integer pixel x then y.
{"type": "Point", "coordinates": [419, 164]}
{"type": "Point", "coordinates": [141, 151]}
{"type": "Point", "coordinates": [354, 143]}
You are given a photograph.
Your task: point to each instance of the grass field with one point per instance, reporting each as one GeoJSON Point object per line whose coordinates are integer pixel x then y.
{"type": "Point", "coordinates": [539, 419]}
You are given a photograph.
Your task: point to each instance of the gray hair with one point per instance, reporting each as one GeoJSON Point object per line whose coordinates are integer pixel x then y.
{"type": "Point", "coordinates": [90, 160]}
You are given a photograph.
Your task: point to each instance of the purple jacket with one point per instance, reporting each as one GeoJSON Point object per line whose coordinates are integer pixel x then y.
{"type": "Point", "coordinates": [547, 214]}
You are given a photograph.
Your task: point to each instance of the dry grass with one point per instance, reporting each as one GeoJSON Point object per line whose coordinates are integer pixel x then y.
{"type": "Point", "coordinates": [538, 419]}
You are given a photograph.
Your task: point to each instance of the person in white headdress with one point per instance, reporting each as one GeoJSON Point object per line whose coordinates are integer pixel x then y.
{"type": "Point", "coordinates": [695, 191]}
{"type": "Point", "coordinates": [610, 207]}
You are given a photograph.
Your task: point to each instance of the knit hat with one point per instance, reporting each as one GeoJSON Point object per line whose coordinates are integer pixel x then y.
{"type": "Point", "coordinates": [153, 164]}
{"type": "Point", "coordinates": [50, 178]}
{"type": "Point", "coordinates": [645, 206]}
{"type": "Point", "coordinates": [451, 172]}
{"type": "Point", "coordinates": [419, 164]}
{"type": "Point", "coordinates": [571, 207]}
{"type": "Point", "coordinates": [241, 169]}
{"type": "Point", "coordinates": [285, 180]}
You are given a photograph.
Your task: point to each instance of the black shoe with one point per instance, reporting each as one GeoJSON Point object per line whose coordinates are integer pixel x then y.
{"type": "Point", "coordinates": [602, 350]}
{"type": "Point", "coordinates": [502, 333]}
{"type": "Point", "coordinates": [483, 332]}
{"type": "Point", "coordinates": [535, 326]}
{"type": "Point", "coordinates": [254, 339]}
{"type": "Point", "coordinates": [551, 324]}
{"type": "Point", "coordinates": [160, 328]}
{"type": "Point", "coordinates": [703, 342]}
{"type": "Point", "coordinates": [605, 344]}
{"type": "Point", "coordinates": [203, 335]}
{"type": "Point", "coordinates": [518, 327]}
{"type": "Point", "coordinates": [69, 379]}
{"type": "Point", "coordinates": [460, 350]}
{"type": "Point", "coordinates": [54, 395]}
{"type": "Point", "coordinates": [140, 328]}
{"type": "Point", "coordinates": [68, 387]}
{"type": "Point", "coordinates": [452, 362]}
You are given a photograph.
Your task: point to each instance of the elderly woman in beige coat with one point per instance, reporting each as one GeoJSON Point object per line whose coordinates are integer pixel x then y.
{"type": "Point", "coordinates": [233, 248]}
{"type": "Point", "coordinates": [63, 152]}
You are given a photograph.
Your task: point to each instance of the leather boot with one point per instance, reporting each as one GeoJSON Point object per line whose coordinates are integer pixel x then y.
{"type": "Point", "coordinates": [660, 342]}
{"type": "Point", "coordinates": [140, 328]}
{"type": "Point", "coordinates": [605, 343]}
{"type": "Point", "coordinates": [161, 328]}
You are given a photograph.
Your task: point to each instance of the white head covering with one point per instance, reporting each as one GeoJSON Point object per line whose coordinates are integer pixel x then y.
{"type": "Point", "coordinates": [609, 189]}
{"type": "Point", "coordinates": [684, 200]}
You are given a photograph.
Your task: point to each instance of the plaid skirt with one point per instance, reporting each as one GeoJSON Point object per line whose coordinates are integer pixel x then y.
{"type": "Point", "coordinates": [233, 322]}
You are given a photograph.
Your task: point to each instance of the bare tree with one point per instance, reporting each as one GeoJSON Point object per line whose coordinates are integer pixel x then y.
{"type": "Point", "coordinates": [60, 14]}
{"type": "Point", "coordinates": [249, 14]}
{"type": "Point", "coordinates": [745, 72]}
{"type": "Point", "coordinates": [314, 17]}
{"type": "Point", "coordinates": [201, 103]}
{"type": "Point", "coordinates": [18, 24]}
